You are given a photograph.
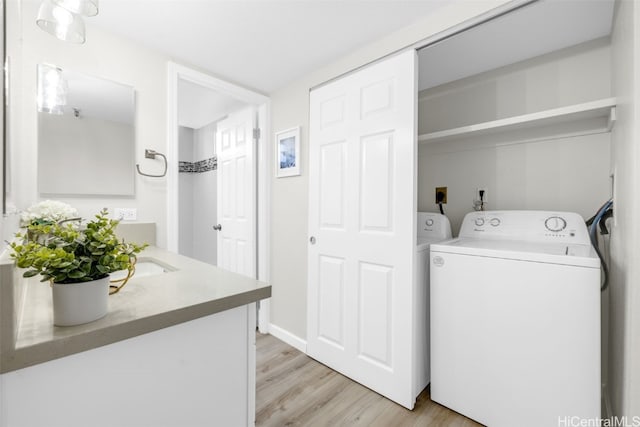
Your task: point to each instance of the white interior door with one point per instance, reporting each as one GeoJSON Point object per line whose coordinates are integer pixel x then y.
{"type": "Point", "coordinates": [236, 200]}
{"type": "Point", "coordinates": [362, 205]}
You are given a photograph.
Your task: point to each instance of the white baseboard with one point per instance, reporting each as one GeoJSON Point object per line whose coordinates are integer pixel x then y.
{"type": "Point", "coordinates": [286, 336]}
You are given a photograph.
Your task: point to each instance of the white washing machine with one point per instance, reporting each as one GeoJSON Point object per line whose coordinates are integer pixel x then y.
{"type": "Point", "coordinates": [515, 319]}
{"type": "Point", "coordinates": [431, 228]}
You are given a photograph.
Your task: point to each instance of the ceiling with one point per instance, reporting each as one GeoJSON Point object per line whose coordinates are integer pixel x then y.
{"type": "Point", "coordinates": [265, 44]}
{"type": "Point", "coordinates": [199, 106]}
{"type": "Point", "coordinates": [542, 27]}
{"type": "Point", "coordinates": [261, 45]}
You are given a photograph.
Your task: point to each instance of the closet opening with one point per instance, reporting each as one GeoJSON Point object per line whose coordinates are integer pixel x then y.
{"type": "Point", "coordinates": [520, 107]}
{"type": "Point", "coordinates": [519, 113]}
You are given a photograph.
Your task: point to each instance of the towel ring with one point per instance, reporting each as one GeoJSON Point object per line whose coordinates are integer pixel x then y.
{"type": "Point", "coordinates": [151, 154]}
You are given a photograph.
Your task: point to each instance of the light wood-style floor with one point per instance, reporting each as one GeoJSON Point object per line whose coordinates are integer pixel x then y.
{"type": "Point", "coordinates": [295, 390]}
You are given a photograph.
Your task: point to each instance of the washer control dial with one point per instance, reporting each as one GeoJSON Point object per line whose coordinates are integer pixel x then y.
{"type": "Point", "coordinates": [555, 223]}
{"type": "Point", "coordinates": [495, 222]}
{"type": "Point", "coordinates": [429, 222]}
{"type": "Point", "coordinates": [479, 222]}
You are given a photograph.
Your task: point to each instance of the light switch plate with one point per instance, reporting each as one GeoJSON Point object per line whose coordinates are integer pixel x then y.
{"type": "Point", "coordinates": [125, 214]}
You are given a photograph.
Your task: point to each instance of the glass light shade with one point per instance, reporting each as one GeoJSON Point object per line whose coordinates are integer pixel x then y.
{"type": "Point", "coordinates": [81, 7]}
{"type": "Point", "coordinates": [60, 23]}
{"type": "Point", "coordinates": [52, 89]}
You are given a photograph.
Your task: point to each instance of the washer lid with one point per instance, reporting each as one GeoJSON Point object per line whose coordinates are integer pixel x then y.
{"type": "Point", "coordinates": [424, 242]}
{"type": "Point", "coordinates": [553, 253]}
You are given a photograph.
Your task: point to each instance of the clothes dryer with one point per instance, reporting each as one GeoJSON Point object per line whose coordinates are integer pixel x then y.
{"type": "Point", "coordinates": [431, 228]}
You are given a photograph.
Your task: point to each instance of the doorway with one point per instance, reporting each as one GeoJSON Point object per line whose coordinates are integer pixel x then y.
{"type": "Point", "coordinates": [200, 113]}
{"type": "Point", "coordinates": [200, 126]}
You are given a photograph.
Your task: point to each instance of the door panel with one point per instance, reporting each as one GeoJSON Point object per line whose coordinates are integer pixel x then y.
{"type": "Point", "coordinates": [237, 192]}
{"type": "Point", "coordinates": [332, 112]}
{"type": "Point", "coordinates": [376, 188]}
{"type": "Point", "coordinates": [375, 311]}
{"type": "Point", "coordinates": [241, 182]}
{"type": "Point", "coordinates": [332, 175]}
{"type": "Point", "coordinates": [361, 212]}
{"type": "Point", "coordinates": [377, 98]}
{"type": "Point", "coordinates": [331, 296]}
{"type": "Point", "coordinates": [226, 181]}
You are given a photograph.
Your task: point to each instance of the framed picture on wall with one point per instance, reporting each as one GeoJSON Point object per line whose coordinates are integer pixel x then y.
{"type": "Point", "coordinates": [288, 152]}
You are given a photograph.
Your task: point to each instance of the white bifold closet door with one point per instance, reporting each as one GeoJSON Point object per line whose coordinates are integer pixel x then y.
{"type": "Point", "coordinates": [236, 201]}
{"type": "Point", "coordinates": [362, 202]}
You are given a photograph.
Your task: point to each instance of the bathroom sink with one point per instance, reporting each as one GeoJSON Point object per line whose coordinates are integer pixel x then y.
{"type": "Point", "coordinates": [145, 267]}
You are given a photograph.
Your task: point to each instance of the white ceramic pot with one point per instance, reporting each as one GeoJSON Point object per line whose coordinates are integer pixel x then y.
{"type": "Point", "coordinates": [78, 303]}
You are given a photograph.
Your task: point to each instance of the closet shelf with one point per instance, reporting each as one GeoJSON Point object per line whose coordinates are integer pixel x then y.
{"type": "Point", "coordinates": [603, 108]}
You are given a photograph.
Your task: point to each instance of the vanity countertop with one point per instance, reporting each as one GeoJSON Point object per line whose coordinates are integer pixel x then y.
{"type": "Point", "coordinates": [195, 289]}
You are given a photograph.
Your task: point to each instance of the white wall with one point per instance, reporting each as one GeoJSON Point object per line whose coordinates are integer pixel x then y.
{"type": "Point", "coordinates": [105, 56]}
{"type": "Point", "coordinates": [568, 76]}
{"type": "Point", "coordinates": [561, 174]}
{"type": "Point", "coordinates": [205, 197]}
{"type": "Point", "coordinates": [571, 175]}
{"type": "Point", "coordinates": [624, 291]}
{"type": "Point", "coordinates": [289, 196]}
{"type": "Point", "coordinates": [185, 193]}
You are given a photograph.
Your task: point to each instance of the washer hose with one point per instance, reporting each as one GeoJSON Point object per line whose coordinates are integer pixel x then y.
{"type": "Point", "coordinates": [593, 236]}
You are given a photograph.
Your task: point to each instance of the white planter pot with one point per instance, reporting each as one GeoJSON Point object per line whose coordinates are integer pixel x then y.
{"type": "Point", "coordinates": [78, 303]}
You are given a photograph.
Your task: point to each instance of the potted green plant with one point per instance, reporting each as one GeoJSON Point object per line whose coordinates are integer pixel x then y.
{"type": "Point", "coordinates": [77, 259]}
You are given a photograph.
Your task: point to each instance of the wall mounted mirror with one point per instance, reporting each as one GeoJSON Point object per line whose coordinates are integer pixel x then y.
{"type": "Point", "coordinates": [86, 134]}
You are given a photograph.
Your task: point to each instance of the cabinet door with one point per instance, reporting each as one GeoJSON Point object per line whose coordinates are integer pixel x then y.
{"type": "Point", "coordinates": [361, 225]}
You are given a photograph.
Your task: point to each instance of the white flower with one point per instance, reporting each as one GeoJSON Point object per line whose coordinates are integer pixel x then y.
{"type": "Point", "coordinates": [49, 211]}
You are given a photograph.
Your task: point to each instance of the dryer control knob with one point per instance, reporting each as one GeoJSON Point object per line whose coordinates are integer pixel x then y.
{"type": "Point", "coordinates": [429, 222]}
{"type": "Point", "coordinates": [555, 223]}
{"type": "Point", "coordinates": [495, 222]}
{"type": "Point", "coordinates": [479, 222]}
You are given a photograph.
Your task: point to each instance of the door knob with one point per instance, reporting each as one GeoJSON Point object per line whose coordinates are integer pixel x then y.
{"type": "Point", "coordinates": [217, 227]}
{"type": "Point", "coordinates": [312, 239]}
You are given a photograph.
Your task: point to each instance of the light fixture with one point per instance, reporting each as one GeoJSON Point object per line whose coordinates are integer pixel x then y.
{"type": "Point", "coordinates": [61, 18]}
{"type": "Point", "coordinates": [60, 23]}
{"type": "Point", "coordinates": [80, 7]}
{"type": "Point", "coordinates": [52, 89]}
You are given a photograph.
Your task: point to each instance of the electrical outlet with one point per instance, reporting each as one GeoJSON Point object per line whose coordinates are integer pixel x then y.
{"type": "Point", "coordinates": [442, 190]}
{"type": "Point", "coordinates": [476, 197]}
{"type": "Point", "coordinates": [125, 214]}
{"type": "Point", "coordinates": [478, 204]}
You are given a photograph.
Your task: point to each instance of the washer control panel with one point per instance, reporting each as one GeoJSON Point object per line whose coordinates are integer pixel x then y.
{"type": "Point", "coordinates": [555, 223]}
{"type": "Point", "coordinates": [564, 227]}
